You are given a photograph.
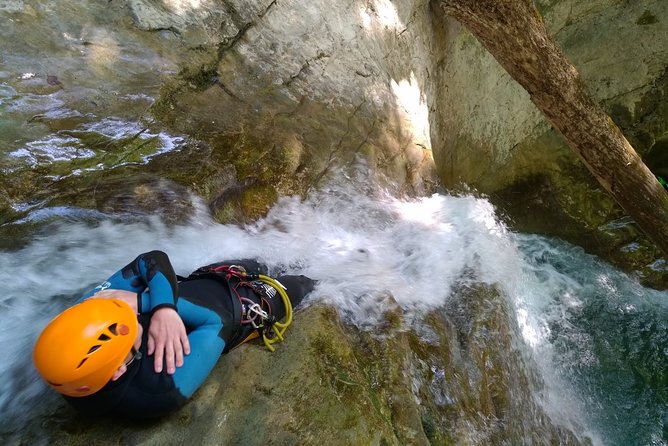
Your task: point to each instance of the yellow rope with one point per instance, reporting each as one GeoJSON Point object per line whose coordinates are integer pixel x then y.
{"type": "Point", "coordinates": [278, 327]}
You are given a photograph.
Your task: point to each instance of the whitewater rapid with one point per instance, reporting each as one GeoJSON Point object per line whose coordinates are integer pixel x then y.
{"type": "Point", "coordinates": [361, 244]}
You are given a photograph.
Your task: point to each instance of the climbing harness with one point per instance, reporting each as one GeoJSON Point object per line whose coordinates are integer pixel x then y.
{"type": "Point", "coordinates": [257, 315]}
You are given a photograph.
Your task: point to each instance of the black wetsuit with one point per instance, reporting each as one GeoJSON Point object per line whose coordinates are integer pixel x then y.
{"type": "Point", "coordinates": [210, 309]}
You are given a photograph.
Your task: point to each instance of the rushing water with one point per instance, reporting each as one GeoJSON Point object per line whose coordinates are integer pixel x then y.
{"type": "Point", "coordinates": [599, 338]}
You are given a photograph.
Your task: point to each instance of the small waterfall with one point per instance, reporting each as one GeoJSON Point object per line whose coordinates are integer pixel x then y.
{"type": "Point", "coordinates": [599, 338]}
{"type": "Point", "coordinates": [600, 333]}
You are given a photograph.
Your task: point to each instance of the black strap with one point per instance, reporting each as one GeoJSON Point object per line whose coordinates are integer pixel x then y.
{"type": "Point", "coordinates": [235, 331]}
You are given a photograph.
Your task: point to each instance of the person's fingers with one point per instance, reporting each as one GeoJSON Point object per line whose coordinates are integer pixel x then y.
{"type": "Point", "coordinates": [151, 344]}
{"type": "Point", "coordinates": [118, 373]}
{"type": "Point", "coordinates": [169, 357]}
{"type": "Point", "coordinates": [158, 356]}
{"type": "Point", "coordinates": [168, 340]}
{"type": "Point", "coordinates": [185, 342]}
{"type": "Point", "coordinates": [178, 353]}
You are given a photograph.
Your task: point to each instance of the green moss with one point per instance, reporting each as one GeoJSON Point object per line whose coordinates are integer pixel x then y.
{"type": "Point", "coordinates": [256, 201]}
{"type": "Point", "coordinates": [647, 18]}
{"type": "Point", "coordinates": [130, 150]}
{"type": "Point", "coordinates": [428, 427]}
{"type": "Point", "coordinates": [340, 368]}
{"type": "Point", "coordinates": [164, 106]}
{"type": "Point", "coordinates": [13, 236]}
{"type": "Point", "coordinates": [200, 80]}
{"type": "Point", "coordinates": [107, 152]}
{"type": "Point", "coordinates": [393, 319]}
{"type": "Point", "coordinates": [226, 214]}
{"type": "Point", "coordinates": [433, 433]}
{"type": "Point", "coordinates": [340, 374]}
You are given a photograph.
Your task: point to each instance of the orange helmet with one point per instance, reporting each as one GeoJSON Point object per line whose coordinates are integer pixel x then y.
{"type": "Point", "coordinates": [81, 348]}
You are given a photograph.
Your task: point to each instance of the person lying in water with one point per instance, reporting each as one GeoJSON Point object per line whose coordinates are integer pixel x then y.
{"type": "Point", "coordinates": [142, 342]}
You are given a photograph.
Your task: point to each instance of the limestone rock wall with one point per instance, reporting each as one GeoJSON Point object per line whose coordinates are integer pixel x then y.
{"type": "Point", "coordinates": [488, 136]}
{"type": "Point", "coordinates": [266, 96]}
{"type": "Point", "coordinates": [312, 84]}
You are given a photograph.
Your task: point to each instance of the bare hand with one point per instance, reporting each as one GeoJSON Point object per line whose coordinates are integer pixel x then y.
{"type": "Point", "coordinates": [167, 338]}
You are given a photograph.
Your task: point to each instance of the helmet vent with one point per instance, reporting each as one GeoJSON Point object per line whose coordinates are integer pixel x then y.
{"type": "Point", "coordinates": [54, 384]}
{"type": "Point", "coordinates": [81, 363]}
{"type": "Point", "coordinates": [112, 329]}
{"type": "Point", "coordinates": [103, 337]}
{"type": "Point", "coordinates": [93, 348]}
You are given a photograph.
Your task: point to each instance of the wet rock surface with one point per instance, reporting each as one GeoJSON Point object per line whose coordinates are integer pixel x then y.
{"type": "Point", "coordinates": [146, 107]}
{"type": "Point", "coordinates": [263, 103]}
{"type": "Point", "coordinates": [449, 381]}
{"type": "Point", "coordinates": [521, 163]}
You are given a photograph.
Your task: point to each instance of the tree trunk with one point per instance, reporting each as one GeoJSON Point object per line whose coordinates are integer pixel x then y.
{"type": "Point", "coordinates": [514, 33]}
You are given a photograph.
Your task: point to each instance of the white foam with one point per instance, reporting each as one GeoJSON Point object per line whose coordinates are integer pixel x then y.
{"type": "Point", "coordinates": [362, 245]}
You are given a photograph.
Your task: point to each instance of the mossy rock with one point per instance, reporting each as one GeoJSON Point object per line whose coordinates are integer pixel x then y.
{"type": "Point", "coordinates": [444, 382]}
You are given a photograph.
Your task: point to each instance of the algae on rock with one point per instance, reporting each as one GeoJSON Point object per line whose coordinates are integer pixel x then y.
{"type": "Point", "coordinates": [454, 378]}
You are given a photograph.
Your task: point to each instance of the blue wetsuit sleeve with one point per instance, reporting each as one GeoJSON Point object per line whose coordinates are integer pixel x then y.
{"type": "Point", "coordinates": [151, 276]}
{"type": "Point", "coordinates": [206, 346]}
